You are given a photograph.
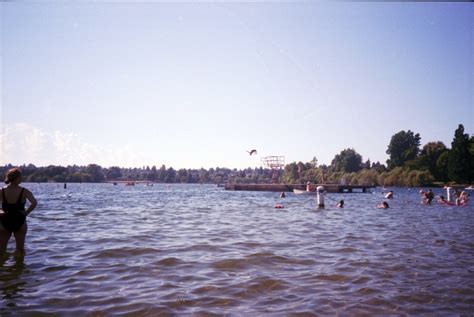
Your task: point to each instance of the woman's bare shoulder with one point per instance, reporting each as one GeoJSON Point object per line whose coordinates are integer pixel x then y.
{"type": "Point", "coordinates": [26, 190]}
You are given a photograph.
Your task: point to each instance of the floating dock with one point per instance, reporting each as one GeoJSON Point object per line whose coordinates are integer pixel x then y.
{"type": "Point", "coordinates": [330, 188]}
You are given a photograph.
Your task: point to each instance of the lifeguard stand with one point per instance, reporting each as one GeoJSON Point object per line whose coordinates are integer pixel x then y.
{"type": "Point", "coordinates": [275, 163]}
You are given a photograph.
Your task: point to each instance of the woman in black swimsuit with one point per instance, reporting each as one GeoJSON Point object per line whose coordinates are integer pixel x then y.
{"type": "Point", "coordinates": [13, 214]}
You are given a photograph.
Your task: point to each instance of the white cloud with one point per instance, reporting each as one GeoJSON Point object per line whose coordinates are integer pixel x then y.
{"type": "Point", "coordinates": [21, 143]}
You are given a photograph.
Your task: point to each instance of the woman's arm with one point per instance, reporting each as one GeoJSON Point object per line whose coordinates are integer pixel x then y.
{"type": "Point", "coordinates": [1, 200]}
{"type": "Point", "coordinates": [29, 196]}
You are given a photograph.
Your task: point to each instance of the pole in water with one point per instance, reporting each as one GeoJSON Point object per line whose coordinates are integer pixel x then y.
{"type": "Point", "coordinates": [320, 196]}
{"type": "Point", "coordinates": [449, 194]}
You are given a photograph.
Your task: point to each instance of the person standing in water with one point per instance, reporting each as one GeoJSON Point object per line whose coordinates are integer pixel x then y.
{"type": "Point", "coordinates": [13, 214]}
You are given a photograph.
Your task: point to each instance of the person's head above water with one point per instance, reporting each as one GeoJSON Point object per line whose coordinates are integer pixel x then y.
{"type": "Point", "coordinates": [383, 205]}
{"type": "Point", "coordinates": [12, 175]}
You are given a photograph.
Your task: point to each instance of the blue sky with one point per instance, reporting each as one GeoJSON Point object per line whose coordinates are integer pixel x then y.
{"type": "Point", "coordinates": [193, 85]}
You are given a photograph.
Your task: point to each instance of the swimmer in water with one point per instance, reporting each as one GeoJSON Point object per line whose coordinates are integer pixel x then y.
{"type": "Point", "coordinates": [426, 197]}
{"type": "Point", "coordinates": [383, 205]}
{"type": "Point", "coordinates": [429, 196]}
{"type": "Point", "coordinates": [340, 204]}
{"type": "Point", "coordinates": [442, 200]}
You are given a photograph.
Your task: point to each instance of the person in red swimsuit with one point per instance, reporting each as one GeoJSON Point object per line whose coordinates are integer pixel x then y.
{"type": "Point", "coordinates": [13, 214]}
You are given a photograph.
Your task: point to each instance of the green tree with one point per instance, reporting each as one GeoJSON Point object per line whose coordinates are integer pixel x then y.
{"type": "Point", "coordinates": [365, 177]}
{"type": "Point", "coordinates": [290, 173]}
{"type": "Point", "coordinates": [204, 175]}
{"type": "Point", "coordinates": [378, 167]}
{"type": "Point", "coordinates": [74, 177]}
{"type": "Point", "coordinates": [51, 171]}
{"type": "Point", "coordinates": [429, 156]}
{"type": "Point", "coordinates": [113, 173]}
{"type": "Point", "coordinates": [192, 177]}
{"type": "Point", "coordinates": [301, 168]}
{"type": "Point", "coordinates": [471, 152]}
{"type": "Point", "coordinates": [347, 161]}
{"type": "Point", "coordinates": [442, 166]}
{"type": "Point", "coordinates": [152, 174]}
{"type": "Point", "coordinates": [459, 160]}
{"type": "Point", "coordinates": [161, 174]}
{"type": "Point", "coordinates": [314, 175]}
{"type": "Point", "coordinates": [182, 175]}
{"type": "Point", "coordinates": [38, 177]}
{"type": "Point", "coordinates": [471, 146]}
{"type": "Point", "coordinates": [366, 164]}
{"type": "Point", "coordinates": [418, 178]}
{"type": "Point", "coordinates": [170, 175]}
{"type": "Point", "coordinates": [95, 173]}
{"type": "Point", "coordinates": [404, 146]}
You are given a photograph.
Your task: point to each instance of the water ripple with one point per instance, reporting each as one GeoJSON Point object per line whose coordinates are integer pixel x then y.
{"type": "Point", "coordinates": [172, 250]}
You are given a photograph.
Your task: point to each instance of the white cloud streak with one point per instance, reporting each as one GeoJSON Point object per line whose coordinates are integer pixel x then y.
{"type": "Point", "coordinates": [21, 143]}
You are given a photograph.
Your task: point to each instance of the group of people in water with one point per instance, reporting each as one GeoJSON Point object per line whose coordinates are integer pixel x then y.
{"type": "Point", "coordinates": [455, 197]}
{"type": "Point", "coordinates": [460, 197]}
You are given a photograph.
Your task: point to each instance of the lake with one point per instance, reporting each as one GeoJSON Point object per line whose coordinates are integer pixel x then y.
{"type": "Point", "coordinates": [173, 250]}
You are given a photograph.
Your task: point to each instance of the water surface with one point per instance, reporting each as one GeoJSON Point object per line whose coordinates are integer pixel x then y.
{"type": "Point", "coordinates": [200, 250]}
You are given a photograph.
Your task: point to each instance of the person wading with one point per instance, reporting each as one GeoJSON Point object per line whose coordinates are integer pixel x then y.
{"type": "Point", "coordinates": [13, 214]}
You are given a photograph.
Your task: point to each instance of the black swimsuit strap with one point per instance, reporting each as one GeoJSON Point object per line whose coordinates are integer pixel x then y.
{"type": "Point", "coordinates": [4, 199]}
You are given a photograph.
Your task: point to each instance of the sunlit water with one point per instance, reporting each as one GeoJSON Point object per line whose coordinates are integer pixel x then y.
{"type": "Point", "coordinates": [200, 250]}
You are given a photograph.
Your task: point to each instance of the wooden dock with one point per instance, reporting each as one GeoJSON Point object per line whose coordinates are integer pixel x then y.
{"type": "Point", "coordinates": [330, 188]}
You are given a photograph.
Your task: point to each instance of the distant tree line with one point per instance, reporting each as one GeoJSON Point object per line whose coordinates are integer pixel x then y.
{"type": "Point", "coordinates": [94, 173]}
{"type": "Point", "coordinates": [408, 165]}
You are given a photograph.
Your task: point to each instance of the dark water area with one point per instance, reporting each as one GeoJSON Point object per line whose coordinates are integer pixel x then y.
{"type": "Point", "coordinates": [174, 250]}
